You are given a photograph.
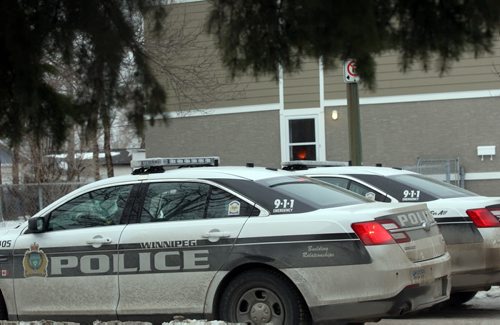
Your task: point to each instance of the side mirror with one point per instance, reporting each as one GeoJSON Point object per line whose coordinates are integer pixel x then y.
{"type": "Point", "coordinates": [36, 225]}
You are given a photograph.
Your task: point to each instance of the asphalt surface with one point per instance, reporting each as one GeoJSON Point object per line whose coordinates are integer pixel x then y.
{"type": "Point", "coordinates": [484, 309]}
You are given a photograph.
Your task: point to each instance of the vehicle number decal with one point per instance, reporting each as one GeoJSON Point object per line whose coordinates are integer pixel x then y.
{"type": "Point", "coordinates": [283, 205]}
{"type": "Point", "coordinates": [5, 243]}
{"type": "Point", "coordinates": [411, 195]}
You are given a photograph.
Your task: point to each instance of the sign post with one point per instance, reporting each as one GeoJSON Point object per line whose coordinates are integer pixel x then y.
{"type": "Point", "coordinates": [351, 79]}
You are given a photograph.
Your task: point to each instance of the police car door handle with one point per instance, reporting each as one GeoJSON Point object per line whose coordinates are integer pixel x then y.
{"type": "Point", "coordinates": [215, 235]}
{"type": "Point", "coordinates": [98, 241]}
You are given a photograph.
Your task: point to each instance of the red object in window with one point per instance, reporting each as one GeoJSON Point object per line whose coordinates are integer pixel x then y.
{"type": "Point", "coordinates": [302, 154]}
{"type": "Point", "coordinates": [372, 233]}
{"type": "Point", "coordinates": [483, 218]}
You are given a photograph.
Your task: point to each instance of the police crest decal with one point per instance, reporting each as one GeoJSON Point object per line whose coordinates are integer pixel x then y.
{"type": "Point", "coordinates": [35, 262]}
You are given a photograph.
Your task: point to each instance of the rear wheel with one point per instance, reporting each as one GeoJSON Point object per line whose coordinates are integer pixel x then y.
{"type": "Point", "coordinates": [458, 298]}
{"type": "Point", "coordinates": [261, 297]}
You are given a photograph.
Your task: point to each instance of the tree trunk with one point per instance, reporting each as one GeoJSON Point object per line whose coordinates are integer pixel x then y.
{"type": "Point", "coordinates": [1, 193]}
{"type": "Point", "coordinates": [106, 125]}
{"type": "Point", "coordinates": [37, 160]}
{"type": "Point", "coordinates": [95, 156]}
{"type": "Point", "coordinates": [95, 160]}
{"type": "Point", "coordinates": [15, 164]}
{"type": "Point", "coordinates": [70, 158]}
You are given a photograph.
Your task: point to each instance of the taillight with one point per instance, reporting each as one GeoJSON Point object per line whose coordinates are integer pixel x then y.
{"type": "Point", "coordinates": [483, 218]}
{"type": "Point", "coordinates": [398, 234]}
{"type": "Point", "coordinates": [372, 233]}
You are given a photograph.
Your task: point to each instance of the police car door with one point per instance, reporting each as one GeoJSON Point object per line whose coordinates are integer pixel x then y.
{"type": "Point", "coordinates": [184, 234]}
{"type": "Point", "coordinates": [68, 269]}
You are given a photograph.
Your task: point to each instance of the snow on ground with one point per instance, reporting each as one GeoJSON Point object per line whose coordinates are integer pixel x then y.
{"type": "Point", "coordinates": [483, 301]}
{"type": "Point", "coordinates": [486, 299]}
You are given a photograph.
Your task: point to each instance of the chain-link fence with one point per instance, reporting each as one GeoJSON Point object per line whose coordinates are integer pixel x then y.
{"type": "Point", "coordinates": [448, 170]}
{"type": "Point", "coordinates": [23, 200]}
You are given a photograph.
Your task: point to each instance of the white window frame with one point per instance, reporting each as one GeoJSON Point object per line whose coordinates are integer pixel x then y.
{"type": "Point", "coordinates": [299, 114]}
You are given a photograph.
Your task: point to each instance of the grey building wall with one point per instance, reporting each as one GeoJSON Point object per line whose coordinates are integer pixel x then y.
{"type": "Point", "coordinates": [484, 187]}
{"type": "Point", "coordinates": [236, 138]}
{"type": "Point", "coordinates": [398, 134]}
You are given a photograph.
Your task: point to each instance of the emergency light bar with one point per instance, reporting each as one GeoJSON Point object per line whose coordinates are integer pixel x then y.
{"type": "Point", "coordinates": [304, 164]}
{"type": "Point", "coordinates": [179, 162]}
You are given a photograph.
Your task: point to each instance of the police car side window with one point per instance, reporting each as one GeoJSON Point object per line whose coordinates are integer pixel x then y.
{"type": "Point", "coordinates": [342, 182]}
{"type": "Point", "coordinates": [102, 207]}
{"type": "Point", "coordinates": [222, 204]}
{"type": "Point", "coordinates": [175, 201]}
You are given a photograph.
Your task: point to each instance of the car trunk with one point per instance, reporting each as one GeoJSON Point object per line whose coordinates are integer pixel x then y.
{"type": "Point", "coordinates": [414, 229]}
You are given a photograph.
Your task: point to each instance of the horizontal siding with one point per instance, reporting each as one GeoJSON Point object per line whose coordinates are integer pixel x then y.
{"type": "Point", "coordinates": [211, 86]}
{"type": "Point", "coordinates": [467, 74]}
{"type": "Point", "coordinates": [301, 89]}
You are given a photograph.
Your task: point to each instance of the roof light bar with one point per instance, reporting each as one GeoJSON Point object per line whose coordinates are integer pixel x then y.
{"type": "Point", "coordinates": [315, 163]}
{"type": "Point", "coordinates": [304, 164]}
{"type": "Point", "coordinates": [181, 161]}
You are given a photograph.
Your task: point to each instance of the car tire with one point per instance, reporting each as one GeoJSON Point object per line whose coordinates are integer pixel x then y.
{"type": "Point", "coordinates": [458, 298]}
{"type": "Point", "coordinates": [261, 297]}
{"type": "Point", "coordinates": [3, 309]}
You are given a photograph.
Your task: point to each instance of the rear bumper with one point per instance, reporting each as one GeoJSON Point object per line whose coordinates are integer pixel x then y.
{"type": "Point", "coordinates": [380, 289]}
{"type": "Point", "coordinates": [410, 299]}
{"type": "Point", "coordinates": [476, 266]}
{"type": "Point", "coordinates": [475, 281]}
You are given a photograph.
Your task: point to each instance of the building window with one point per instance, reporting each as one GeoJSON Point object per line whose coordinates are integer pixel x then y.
{"type": "Point", "coordinates": [302, 139]}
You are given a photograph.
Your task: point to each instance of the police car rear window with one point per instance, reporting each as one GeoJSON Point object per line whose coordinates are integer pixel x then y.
{"type": "Point", "coordinates": [413, 187]}
{"type": "Point", "coordinates": [433, 187]}
{"type": "Point", "coordinates": [313, 192]}
{"type": "Point", "coordinates": [282, 195]}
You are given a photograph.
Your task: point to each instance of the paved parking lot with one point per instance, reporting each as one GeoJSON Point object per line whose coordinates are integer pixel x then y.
{"type": "Point", "coordinates": [484, 309]}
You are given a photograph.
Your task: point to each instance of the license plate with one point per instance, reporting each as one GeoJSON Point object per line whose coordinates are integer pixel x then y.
{"type": "Point", "coordinates": [418, 275]}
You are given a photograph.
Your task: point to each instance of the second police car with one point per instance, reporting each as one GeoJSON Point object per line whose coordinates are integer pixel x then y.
{"type": "Point", "coordinates": [241, 244]}
{"type": "Point", "coordinates": [470, 223]}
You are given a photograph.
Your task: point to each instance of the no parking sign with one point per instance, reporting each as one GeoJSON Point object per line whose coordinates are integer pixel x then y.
{"type": "Point", "coordinates": [350, 73]}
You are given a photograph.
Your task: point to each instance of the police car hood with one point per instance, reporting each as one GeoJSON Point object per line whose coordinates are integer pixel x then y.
{"type": "Point", "coordinates": [8, 226]}
{"type": "Point", "coordinates": [455, 207]}
{"type": "Point", "coordinates": [409, 221]}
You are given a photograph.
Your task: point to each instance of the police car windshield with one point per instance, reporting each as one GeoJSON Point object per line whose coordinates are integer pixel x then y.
{"type": "Point", "coordinates": [431, 186]}
{"type": "Point", "coordinates": [313, 192]}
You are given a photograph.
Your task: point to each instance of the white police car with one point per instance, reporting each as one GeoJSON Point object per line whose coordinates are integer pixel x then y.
{"type": "Point", "coordinates": [470, 223]}
{"type": "Point", "coordinates": [241, 244]}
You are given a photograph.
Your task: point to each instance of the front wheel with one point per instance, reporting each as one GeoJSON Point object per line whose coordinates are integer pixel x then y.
{"type": "Point", "coordinates": [262, 297]}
